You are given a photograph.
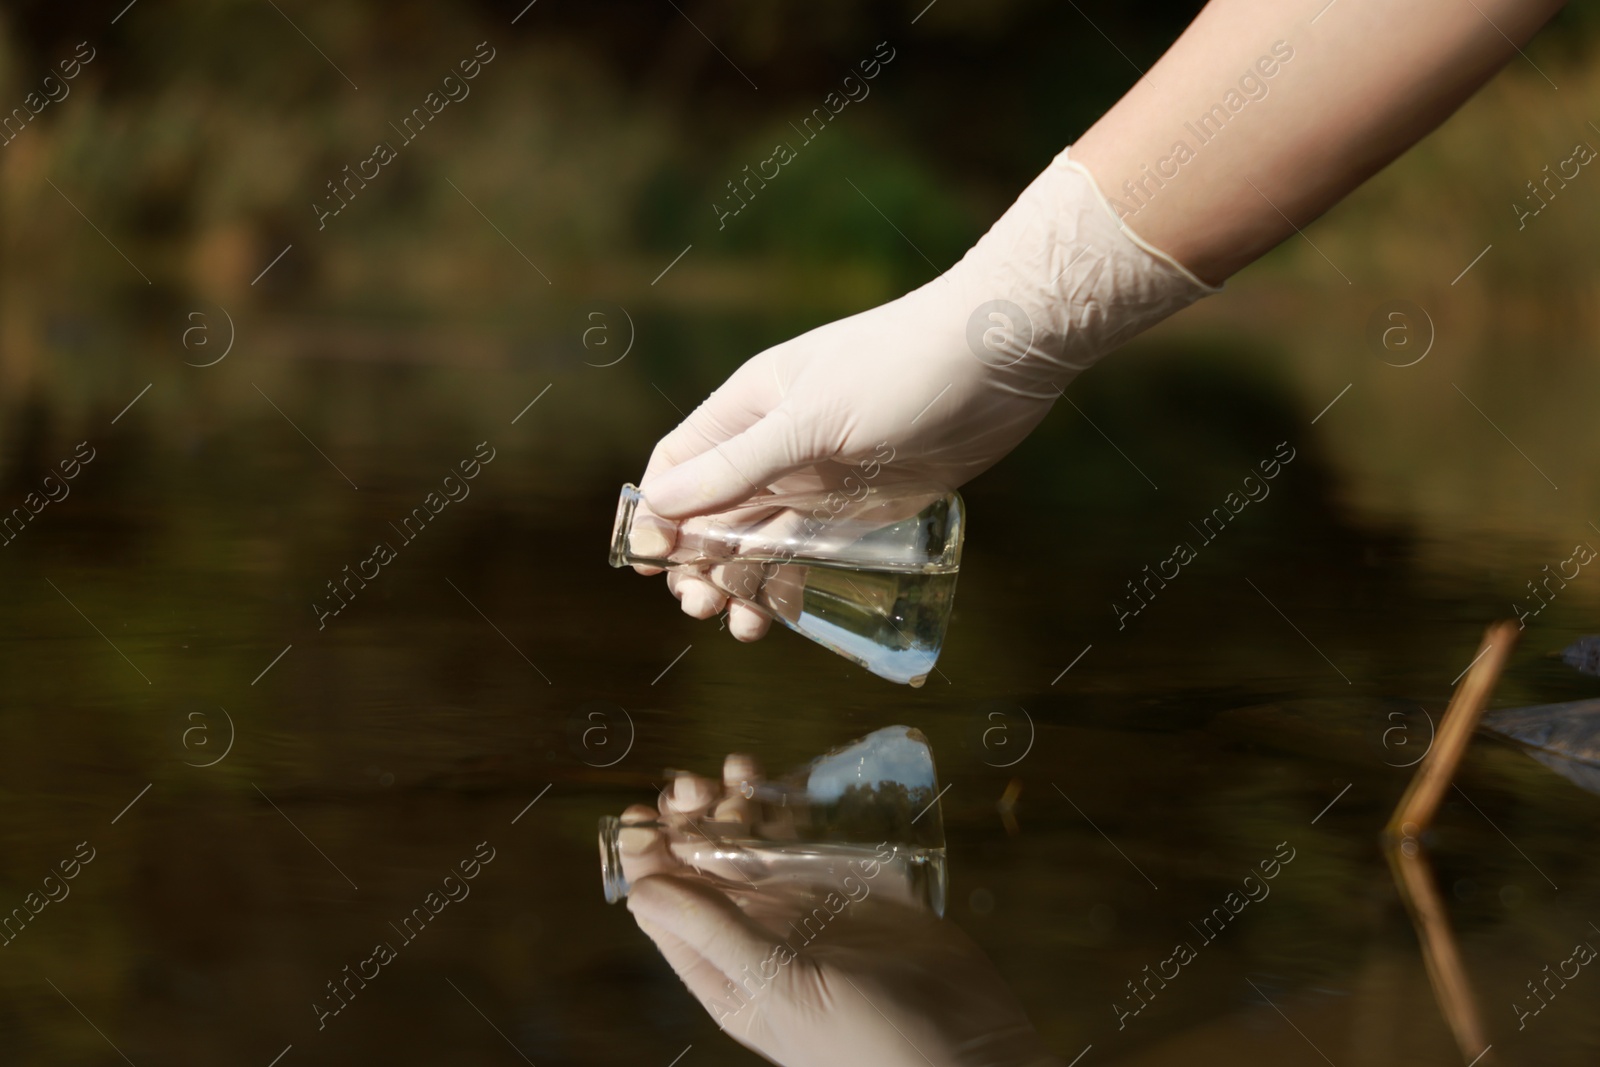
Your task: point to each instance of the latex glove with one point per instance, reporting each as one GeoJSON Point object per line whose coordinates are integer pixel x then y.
{"type": "Point", "coordinates": [946, 379]}
{"type": "Point", "coordinates": [881, 982]}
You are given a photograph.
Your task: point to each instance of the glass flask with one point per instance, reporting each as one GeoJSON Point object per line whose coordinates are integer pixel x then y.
{"type": "Point", "coordinates": [871, 577]}
{"type": "Point", "coordinates": [867, 811]}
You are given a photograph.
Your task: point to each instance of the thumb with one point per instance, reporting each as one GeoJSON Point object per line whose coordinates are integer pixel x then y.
{"type": "Point", "coordinates": [733, 471]}
{"type": "Point", "coordinates": [704, 920]}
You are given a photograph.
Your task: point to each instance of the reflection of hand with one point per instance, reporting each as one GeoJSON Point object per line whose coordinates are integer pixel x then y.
{"type": "Point", "coordinates": [946, 379]}
{"type": "Point", "coordinates": [826, 977]}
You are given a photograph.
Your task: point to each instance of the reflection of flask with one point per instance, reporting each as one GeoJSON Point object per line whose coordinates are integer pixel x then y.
{"type": "Point", "coordinates": [867, 811]}
{"type": "Point", "coordinates": [870, 577]}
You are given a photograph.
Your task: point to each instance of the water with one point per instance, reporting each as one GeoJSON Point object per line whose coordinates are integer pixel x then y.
{"type": "Point", "coordinates": [901, 873]}
{"type": "Point", "coordinates": [892, 622]}
{"type": "Point", "coordinates": [413, 728]}
{"type": "Point", "coordinates": [874, 582]}
{"type": "Point", "coordinates": [803, 874]}
{"type": "Point", "coordinates": [860, 812]}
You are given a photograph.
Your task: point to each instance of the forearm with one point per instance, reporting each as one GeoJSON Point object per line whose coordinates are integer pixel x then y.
{"type": "Point", "coordinates": [1264, 153]}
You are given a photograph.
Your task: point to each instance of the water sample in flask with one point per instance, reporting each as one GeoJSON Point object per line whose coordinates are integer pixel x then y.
{"type": "Point", "coordinates": [867, 811]}
{"type": "Point", "coordinates": [871, 577]}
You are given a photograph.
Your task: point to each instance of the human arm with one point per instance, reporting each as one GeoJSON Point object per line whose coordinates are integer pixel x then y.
{"type": "Point", "coordinates": [1367, 80]}
{"type": "Point", "coordinates": [953, 375]}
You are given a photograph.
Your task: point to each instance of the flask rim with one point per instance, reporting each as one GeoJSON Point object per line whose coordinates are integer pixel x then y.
{"type": "Point", "coordinates": [611, 876]}
{"type": "Point", "coordinates": [627, 505]}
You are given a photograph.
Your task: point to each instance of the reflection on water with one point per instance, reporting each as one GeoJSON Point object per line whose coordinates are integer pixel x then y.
{"type": "Point", "coordinates": [174, 588]}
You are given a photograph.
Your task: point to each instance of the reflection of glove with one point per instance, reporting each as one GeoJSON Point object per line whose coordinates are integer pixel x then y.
{"type": "Point", "coordinates": [947, 379]}
{"type": "Point", "coordinates": [881, 982]}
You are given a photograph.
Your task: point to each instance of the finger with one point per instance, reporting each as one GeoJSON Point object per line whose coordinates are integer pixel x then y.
{"type": "Point", "coordinates": [645, 851]}
{"type": "Point", "coordinates": [745, 623]}
{"type": "Point", "coordinates": [784, 593]}
{"type": "Point", "coordinates": [705, 982]}
{"type": "Point", "coordinates": [700, 599]}
{"type": "Point", "coordinates": [697, 596]}
{"type": "Point", "coordinates": [775, 589]}
{"type": "Point", "coordinates": [738, 581]}
{"type": "Point", "coordinates": [639, 814]}
{"type": "Point", "coordinates": [739, 769]}
{"type": "Point", "coordinates": [686, 798]}
{"type": "Point", "coordinates": [739, 774]}
{"type": "Point", "coordinates": [732, 408]}
{"type": "Point", "coordinates": [649, 536]}
{"type": "Point", "coordinates": [733, 471]}
{"type": "Point", "coordinates": [778, 532]}
{"type": "Point", "coordinates": [704, 920]}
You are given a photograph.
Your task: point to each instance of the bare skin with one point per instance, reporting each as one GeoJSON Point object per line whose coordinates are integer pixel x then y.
{"type": "Point", "coordinates": [1367, 81]}
{"type": "Point", "coordinates": [1303, 106]}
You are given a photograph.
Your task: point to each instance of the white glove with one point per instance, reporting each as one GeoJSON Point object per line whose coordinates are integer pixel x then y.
{"type": "Point", "coordinates": [947, 379]}
{"type": "Point", "coordinates": [881, 981]}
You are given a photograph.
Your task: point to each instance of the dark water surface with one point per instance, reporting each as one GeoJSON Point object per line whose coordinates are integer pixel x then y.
{"type": "Point", "coordinates": [1263, 704]}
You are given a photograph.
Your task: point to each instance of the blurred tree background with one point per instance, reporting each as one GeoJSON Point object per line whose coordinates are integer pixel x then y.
{"type": "Point", "coordinates": [593, 148]}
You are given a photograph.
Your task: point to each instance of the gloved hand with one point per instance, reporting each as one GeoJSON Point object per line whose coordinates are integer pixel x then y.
{"type": "Point", "coordinates": [945, 380]}
{"type": "Point", "coordinates": [884, 981]}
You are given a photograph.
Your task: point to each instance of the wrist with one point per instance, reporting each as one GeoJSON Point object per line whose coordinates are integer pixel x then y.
{"type": "Point", "coordinates": [1058, 282]}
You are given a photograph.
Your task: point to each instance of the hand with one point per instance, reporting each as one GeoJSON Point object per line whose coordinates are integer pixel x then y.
{"type": "Point", "coordinates": [945, 380]}
{"type": "Point", "coordinates": [813, 975]}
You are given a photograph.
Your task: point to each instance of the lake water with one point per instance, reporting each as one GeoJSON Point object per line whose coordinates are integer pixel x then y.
{"type": "Point", "coordinates": [275, 764]}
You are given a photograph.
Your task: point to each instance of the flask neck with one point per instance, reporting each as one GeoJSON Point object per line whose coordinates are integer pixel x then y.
{"type": "Point", "coordinates": [908, 530]}
{"type": "Point", "coordinates": [638, 537]}
{"type": "Point", "coordinates": [611, 876]}
{"type": "Point", "coordinates": [627, 504]}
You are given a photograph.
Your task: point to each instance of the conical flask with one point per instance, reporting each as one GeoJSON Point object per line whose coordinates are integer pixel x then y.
{"type": "Point", "coordinates": [871, 577]}
{"type": "Point", "coordinates": [868, 811]}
